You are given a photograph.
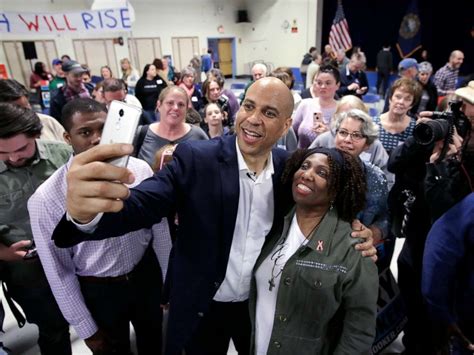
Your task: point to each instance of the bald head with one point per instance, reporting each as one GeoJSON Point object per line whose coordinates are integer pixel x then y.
{"type": "Point", "coordinates": [264, 117]}
{"type": "Point", "coordinates": [456, 59]}
{"type": "Point", "coordinates": [278, 90]}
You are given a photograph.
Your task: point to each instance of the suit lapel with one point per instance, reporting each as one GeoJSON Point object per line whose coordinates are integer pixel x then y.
{"type": "Point", "coordinates": [229, 181]}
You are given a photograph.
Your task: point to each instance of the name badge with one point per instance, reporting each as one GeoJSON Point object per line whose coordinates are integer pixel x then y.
{"type": "Point", "coordinates": [159, 81]}
{"type": "Point", "coordinates": [194, 99]}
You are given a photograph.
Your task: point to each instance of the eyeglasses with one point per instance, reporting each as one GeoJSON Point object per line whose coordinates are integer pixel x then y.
{"type": "Point", "coordinates": [356, 136]}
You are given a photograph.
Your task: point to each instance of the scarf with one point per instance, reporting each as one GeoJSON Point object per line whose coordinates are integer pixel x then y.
{"type": "Point", "coordinates": [190, 93]}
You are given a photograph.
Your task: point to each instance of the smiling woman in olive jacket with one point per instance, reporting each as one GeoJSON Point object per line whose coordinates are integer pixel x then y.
{"type": "Point", "coordinates": [312, 292]}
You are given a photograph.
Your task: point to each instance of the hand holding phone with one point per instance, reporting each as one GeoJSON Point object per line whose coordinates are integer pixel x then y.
{"type": "Point", "coordinates": [318, 124]}
{"type": "Point", "coordinates": [317, 119]}
{"type": "Point", "coordinates": [362, 90]}
{"type": "Point", "coordinates": [120, 127]}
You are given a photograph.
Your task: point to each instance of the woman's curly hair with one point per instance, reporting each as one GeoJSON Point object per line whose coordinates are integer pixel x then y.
{"type": "Point", "coordinates": [346, 183]}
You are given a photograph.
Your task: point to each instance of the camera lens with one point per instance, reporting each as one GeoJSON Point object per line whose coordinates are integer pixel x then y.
{"type": "Point", "coordinates": [121, 113]}
{"type": "Point", "coordinates": [431, 131]}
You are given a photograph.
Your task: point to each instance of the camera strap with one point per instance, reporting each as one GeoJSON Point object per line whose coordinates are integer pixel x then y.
{"type": "Point", "coordinates": [447, 140]}
{"type": "Point", "coordinates": [20, 318]}
{"type": "Point", "coordinates": [407, 205]}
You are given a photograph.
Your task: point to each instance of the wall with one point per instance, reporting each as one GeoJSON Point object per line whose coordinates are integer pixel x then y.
{"type": "Point", "coordinates": [262, 39]}
{"type": "Point", "coordinates": [267, 39]}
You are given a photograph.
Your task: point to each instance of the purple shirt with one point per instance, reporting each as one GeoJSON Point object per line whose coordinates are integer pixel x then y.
{"type": "Point", "coordinates": [303, 120]}
{"type": "Point", "coordinates": [108, 257]}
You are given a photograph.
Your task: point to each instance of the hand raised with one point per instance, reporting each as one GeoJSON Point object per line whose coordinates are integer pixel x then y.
{"type": "Point", "coordinates": [94, 186]}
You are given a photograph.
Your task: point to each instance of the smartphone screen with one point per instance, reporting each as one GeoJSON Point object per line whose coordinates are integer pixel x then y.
{"type": "Point", "coordinates": [317, 118]}
{"type": "Point", "coordinates": [120, 127]}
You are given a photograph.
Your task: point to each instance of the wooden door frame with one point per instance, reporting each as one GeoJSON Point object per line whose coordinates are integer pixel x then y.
{"type": "Point", "coordinates": [132, 49]}
{"type": "Point", "coordinates": [115, 67]}
{"type": "Point", "coordinates": [173, 55]}
{"type": "Point", "coordinates": [234, 50]}
{"type": "Point", "coordinates": [26, 78]}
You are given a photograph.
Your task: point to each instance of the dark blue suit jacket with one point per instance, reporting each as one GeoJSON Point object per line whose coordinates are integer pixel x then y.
{"type": "Point", "coordinates": [202, 185]}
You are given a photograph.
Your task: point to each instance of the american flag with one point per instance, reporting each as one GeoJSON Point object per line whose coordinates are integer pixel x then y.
{"type": "Point", "coordinates": [339, 37]}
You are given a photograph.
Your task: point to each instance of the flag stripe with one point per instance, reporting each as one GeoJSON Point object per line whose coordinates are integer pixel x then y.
{"type": "Point", "coordinates": [339, 36]}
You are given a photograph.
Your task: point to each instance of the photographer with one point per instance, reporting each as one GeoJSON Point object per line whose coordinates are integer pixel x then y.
{"type": "Point", "coordinates": [448, 262]}
{"type": "Point", "coordinates": [431, 176]}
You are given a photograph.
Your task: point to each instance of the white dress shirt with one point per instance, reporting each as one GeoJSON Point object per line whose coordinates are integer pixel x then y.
{"type": "Point", "coordinates": [254, 221]}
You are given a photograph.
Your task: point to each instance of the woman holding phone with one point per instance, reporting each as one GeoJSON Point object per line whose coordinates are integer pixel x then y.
{"type": "Point", "coordinates": [313, 116]}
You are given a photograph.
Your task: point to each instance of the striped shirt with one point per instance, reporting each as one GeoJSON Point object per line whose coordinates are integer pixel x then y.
{"type": "Point", "coordinates": [108, 257]}
{"type": "Point", "coordinates": [446, 79]}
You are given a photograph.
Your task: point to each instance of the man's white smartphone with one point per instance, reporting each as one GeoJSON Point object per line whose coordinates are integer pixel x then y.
{"type": "Point", "coordinates": [120, 127]}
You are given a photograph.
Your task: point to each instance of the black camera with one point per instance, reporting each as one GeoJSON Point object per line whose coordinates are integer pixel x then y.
{"type": "Point", "coordinates": [441, 125]}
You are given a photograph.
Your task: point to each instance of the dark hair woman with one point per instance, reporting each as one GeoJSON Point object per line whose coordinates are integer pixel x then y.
{"type": "Point", "coordinates": [148, 88]}
{"type": "Point", "coordinates": [312, 290]}
{"type": "Point", "coordinates": [39, 74]}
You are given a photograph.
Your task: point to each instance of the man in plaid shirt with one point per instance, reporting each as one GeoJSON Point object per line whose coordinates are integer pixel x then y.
{"type": "Point", "coordinates": [446, 77]}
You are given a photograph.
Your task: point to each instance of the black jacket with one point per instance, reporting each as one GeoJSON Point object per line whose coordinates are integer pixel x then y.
{"type": "Point", "coordinates": [346, 79]}
{"type": "Point", "coordinates": [147, 91]}
{"type": "Point", "coordinates": [435, 187]}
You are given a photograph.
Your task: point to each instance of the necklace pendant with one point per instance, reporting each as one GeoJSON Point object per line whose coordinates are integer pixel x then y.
{"type": "Point", "coordinates": [271, 284]}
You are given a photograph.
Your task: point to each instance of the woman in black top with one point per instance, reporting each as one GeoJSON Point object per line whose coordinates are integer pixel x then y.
{"type": "Point", "coordinates": [148, 89]}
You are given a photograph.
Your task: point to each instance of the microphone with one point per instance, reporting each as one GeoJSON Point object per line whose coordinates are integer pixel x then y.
{"type": "Point", "coordinates": [252, 176]}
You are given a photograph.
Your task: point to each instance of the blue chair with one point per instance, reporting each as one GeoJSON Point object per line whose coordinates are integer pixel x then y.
{"type": "Point", "coordinates": [238, 86]}
{"type": "Point", "coordinates": [297, 75]}
{"type": "Point", "coordinates": [373, 112]}
{"type": "Point", "coordinates": [372, 79]}
{"type": "Point", "coordinates": [371, 98]}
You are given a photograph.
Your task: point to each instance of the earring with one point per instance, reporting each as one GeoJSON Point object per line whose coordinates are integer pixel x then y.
{"type": "Point", "coordinates": [331, 205]}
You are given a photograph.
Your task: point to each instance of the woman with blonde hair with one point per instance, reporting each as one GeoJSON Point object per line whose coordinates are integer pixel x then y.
{"type": "Point", "coordinates": [171, 129]}
{"type": "Point", "coordinates": [129, 74]}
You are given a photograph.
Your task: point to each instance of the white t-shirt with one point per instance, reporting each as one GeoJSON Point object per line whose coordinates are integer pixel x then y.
{"type": "Point", "coordinates": [266, 298]}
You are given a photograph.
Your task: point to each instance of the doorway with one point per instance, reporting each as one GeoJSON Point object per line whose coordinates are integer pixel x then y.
{"type": "Point", "coordinates": [144, 50]}
{"type": "Point", "coordinates": [20, 68]}
{"type": "Point", "coordinates": [184, 48]}
{"type": "Point", "coordinates": [223, 55]}
{"type": "Point", "coordinates": [96, 53]}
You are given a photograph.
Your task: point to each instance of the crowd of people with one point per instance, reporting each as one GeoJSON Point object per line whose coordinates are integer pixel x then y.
{"type": "Point", "coordinates": [268, 219]}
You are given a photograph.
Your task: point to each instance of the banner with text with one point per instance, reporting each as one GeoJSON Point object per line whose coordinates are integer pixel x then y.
{"type": "Point", "coordinates": [65, 22]}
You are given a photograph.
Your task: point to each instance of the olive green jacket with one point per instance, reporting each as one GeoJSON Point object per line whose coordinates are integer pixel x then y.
{"type": "Point", "coordinates": [16, 187]}
{"type": "Point", "coordinates": [327, 297]}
